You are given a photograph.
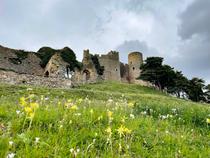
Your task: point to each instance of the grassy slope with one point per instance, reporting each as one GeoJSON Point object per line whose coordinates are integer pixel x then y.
{"type": "Point", "coordinates": [163, 126]}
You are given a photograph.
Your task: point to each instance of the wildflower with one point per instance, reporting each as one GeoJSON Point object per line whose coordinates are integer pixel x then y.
{"type": "Point", "coordinates": [109, 113]}
{"type": "Point", "coordinates": [31, 115]}
{"type": "Point", "coordinates": [131, 104]}
{"type": "Point", "coordinates": [11, 143]}
{"type": "Point", "coordinates": [132, 116]}
{"type": "Point", "coordinates": [173, 110]}
{"type": "Point", "coordinates": [123, 130]}
{"type": "Point", "coordinates": [208, 121]}
{"type": "Point", "coordinates": [120, 130]}
{"type": "Point", "coordinates": [100, 118]}
{"type": "Point", "coordinates": [123, 119]}
{"type": "Point", "coordinates": [11, 155]}
{"type": "Point", "coordinates": [71, 150]}
{"type": "Point", "coordinates": [42, 97]}
{"type": "Point", "coordinates": [91, 111]}
{"type": "Point", "coordinates": [18, 112]}
{"type": "Point", "coordinates": [80, 100]}
{"type": "Point", "coordinates": [74, 107]}
{"type": "Point", "coordinates": [31, 96]}
{"type": "Point", "coordinates": [37, 140]}
{"type": "Point", "coordinates": [23, 101]}
{"type": "Point", "coordinates": [34, 105]}
{"type": "Point", "coordinates": [28, 110]}
{"type": "Point", "coordinates": [109, 131]}
{"type": "Point", "coordinates": [29, 89]}
{"type": "Point", "coordinates": [144, 113]}
{"type": "Point", "coordinates": [78, 114]}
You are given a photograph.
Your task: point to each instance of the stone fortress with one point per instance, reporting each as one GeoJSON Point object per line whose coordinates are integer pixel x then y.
{"type": "Point", "coordinates": [27, 70]}
{"type": "Point", "coordinates": [114, 70]}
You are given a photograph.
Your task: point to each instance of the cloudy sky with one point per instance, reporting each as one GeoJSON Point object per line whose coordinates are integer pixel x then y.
{"type": "Point", "coordinates": [177, 30]}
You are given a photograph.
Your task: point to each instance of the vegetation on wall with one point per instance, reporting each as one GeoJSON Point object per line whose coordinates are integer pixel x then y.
{"type": "Point", "coordinates": [99, 68]}
{"type": "Point", "coordinates": [45, 53]}
{"type": "Point", "coordinates": [20, 55]}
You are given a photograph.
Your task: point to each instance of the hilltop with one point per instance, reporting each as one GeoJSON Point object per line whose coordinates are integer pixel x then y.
{"type": "Point", "coordinates": [101, 120]}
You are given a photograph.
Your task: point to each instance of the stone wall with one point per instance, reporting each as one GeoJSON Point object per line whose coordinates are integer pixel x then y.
{"type": "Point", "coordinates": [111, 65]}
{"type": "Point", "coordinates": [10, 61]}
{"type": "Point", "coordinates": [56, 67]}
{"type": "Point", "coordinates": [25, 79]}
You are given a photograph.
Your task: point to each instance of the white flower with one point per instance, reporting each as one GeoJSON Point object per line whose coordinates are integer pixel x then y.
{"type": "Point", "coordinates": [78, 150]}
{"type": "Point", "coordinates": [29, 89]}
{"type": "Point", "coordinates": [37, 140]}
{"type": "Point", "coordinates": [71, 150]}
{"type": "Point", "coordinates": [167, 132]}
{"type": "Point", "coordinates": [47, 98]}
{"type": "Point", "coordinates": [173, 110]}
{"type": "Point", "coordinates": [132, 116]}
{"type": "Point", "coordinates": [78, 114]}
{"type": "Point", "coordinates": [11, 143]}
{"type": "Point", "coordinates": [11, 155]}
{"type": "Point", "coordinates": [18, 112]}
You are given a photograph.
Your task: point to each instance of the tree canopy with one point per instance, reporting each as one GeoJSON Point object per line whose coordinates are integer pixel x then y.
{"type": "Point", "coordinates": [174, 82]}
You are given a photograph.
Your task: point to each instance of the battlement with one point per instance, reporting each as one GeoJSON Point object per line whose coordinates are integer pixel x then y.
{"type": "Point", "coordinates": [112, 55]}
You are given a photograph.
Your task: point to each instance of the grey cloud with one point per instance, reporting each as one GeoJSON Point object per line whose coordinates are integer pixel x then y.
{"type": "Point", "coordinates": [135, 45]}
{"type": "Point", "coordinates": [195, 20]}
{"type": "Point", "coordinates": [195, 33]}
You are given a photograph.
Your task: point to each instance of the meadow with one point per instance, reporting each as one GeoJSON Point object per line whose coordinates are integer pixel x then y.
{"type": "Point", "coordinates": [101, 120]}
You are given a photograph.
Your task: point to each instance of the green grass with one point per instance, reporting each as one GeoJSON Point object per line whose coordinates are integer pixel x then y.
{"type": "Point", "coordinates": [74, 123]}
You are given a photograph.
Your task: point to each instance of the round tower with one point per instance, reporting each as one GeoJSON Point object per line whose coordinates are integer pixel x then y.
{"type": "Point", "coordinates": [135, 59]}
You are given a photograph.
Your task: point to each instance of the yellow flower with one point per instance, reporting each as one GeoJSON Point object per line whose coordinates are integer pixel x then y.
{"type": "Point", "coordinates": [69, 100]}
{"type": "Point", "coordinates": [208, 121]}
{"type": "Point", "coordinates": [127, 131]}
{"type": "Point", "coordinates": [31, 115]}
{"type": "Point", "coordinates": [23, 101]}
{"type": "Point", "coordinates": [80, 100]}
{"type": "Point", "coordinates": [109, 113]}
{"type": "Point", "coordinates": [91, 111]}
{"type": "Point", "coordinates": [122, 130]}
{"type": "Point", "coordinates": [74, 107]}
{"type": "Point", "coordinates": [109, 130]}
{"type": "Point", "coordinates": [28, 110]}
{"type": "Point", "coordinates": [34, 105]}
{"type": "Point", "coordinates": [100, 118]}
{"type": "Point", "coordinates": [131, 104]}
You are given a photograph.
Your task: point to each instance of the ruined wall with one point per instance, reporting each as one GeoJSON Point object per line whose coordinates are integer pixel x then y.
{"type": "Point", "coordinates": [89, 72]}
{"type": "Point", "coordinates": [56, 67]}
{"type": "Point", "coordinates": [135, 60]}
{"type": "Point", "coordinates": [111, 65]}
{"type": "Point", "coordinates": [17, 79]}
{"type": "Point", "coordinates": [10, 61]}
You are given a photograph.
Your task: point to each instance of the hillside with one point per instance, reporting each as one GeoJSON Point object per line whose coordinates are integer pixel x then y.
{"type": "Point", "coordinates": [101, 120]}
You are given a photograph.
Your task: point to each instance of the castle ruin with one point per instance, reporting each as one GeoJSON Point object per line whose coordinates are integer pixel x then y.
{"type": "Point", "coordinates": [24, 67]}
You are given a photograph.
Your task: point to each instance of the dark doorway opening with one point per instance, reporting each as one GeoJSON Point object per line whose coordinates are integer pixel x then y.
{"type": "Point", "coordinates": [46, 74]}
{"type": "Point", "coordinates": [87, 74]}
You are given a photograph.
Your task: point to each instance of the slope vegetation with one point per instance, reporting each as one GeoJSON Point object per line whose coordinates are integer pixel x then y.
{"type": "Point", "coordinates": [101, 120]}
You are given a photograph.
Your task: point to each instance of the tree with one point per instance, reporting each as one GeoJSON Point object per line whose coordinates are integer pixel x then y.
{"type": "Point", "coordinates": [180, 85]}
{"type": "Point", "coordinates": [207, 93]}
{"type": "Point", "coordinates": [195, 89]}
{"type": "Point", "coordinates": [151, 70]}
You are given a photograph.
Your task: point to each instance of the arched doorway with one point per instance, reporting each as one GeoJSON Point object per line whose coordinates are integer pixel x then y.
{"type": "Point", "coordinates": [86, 75]}
{"type": "Point", "coordinates": [46, 74]}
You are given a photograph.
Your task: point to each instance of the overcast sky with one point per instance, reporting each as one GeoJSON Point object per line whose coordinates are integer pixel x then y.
{"type": "Point", "coordinates": [177, 30]}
